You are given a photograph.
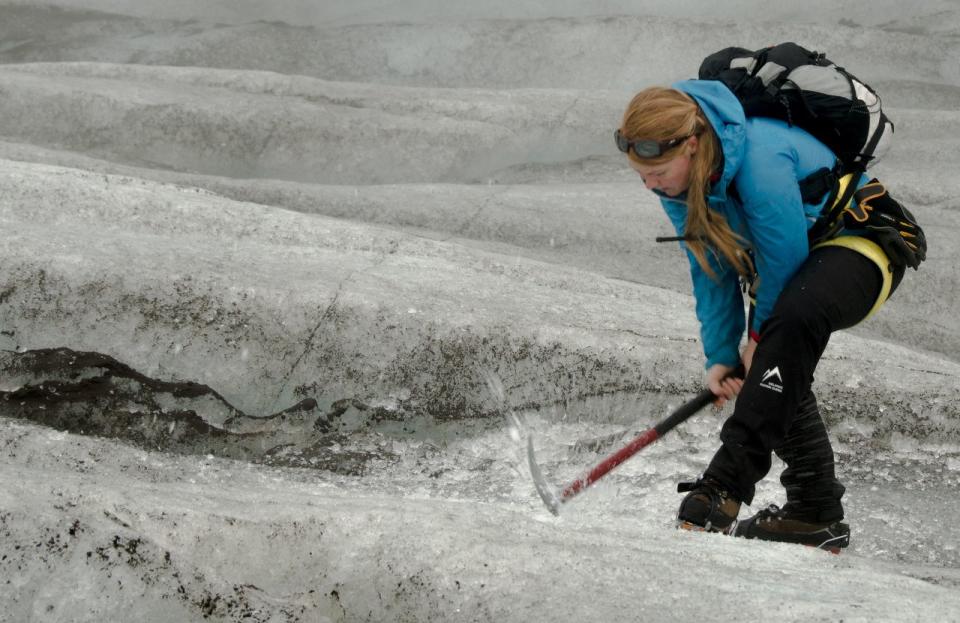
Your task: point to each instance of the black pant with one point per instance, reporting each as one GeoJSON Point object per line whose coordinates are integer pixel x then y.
{"type": "Point", "coordinates": [776, 411]}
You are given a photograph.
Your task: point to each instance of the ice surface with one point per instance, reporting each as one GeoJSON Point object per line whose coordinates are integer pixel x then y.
{"type": "Point", "coordinates": [310, 273]}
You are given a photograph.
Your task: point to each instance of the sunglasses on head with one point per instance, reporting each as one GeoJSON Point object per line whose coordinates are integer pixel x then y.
{"type": "Point", "coordinates": [646, 148]}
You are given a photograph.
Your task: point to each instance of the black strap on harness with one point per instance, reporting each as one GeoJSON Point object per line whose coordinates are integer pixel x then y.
{"type": "Point", "coordinates": [829, 221]}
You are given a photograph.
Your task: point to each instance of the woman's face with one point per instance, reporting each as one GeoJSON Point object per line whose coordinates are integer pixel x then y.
{"type": "Point", "coordinates": [672, 177]}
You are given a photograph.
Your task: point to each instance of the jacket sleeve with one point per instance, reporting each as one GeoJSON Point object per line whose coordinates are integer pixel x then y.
{"type": "Point", "coordinates": [719, 302]}
{"type": "Point", "coordinates": [774, 215]}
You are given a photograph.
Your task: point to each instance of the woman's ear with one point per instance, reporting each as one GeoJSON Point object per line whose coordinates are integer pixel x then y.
{"type": "Point", "coordinates": [692, 144]}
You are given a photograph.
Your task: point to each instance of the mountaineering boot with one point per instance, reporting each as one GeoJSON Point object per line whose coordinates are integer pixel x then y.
{"type": "Point", "coordinates": [708, 506]}
{"type": "Point", "coordinates": [775, 524]}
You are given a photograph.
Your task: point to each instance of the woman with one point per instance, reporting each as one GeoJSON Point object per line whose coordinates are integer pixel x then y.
{"type": "Point", "coordinates": [731, 187]}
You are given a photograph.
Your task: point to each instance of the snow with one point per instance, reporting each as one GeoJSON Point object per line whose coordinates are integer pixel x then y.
{"type": "Point", "coordinates": [312, 272]}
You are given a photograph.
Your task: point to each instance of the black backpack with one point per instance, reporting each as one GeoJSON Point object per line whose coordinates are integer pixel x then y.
{"type": "Point", "coordinates": [805, 89]}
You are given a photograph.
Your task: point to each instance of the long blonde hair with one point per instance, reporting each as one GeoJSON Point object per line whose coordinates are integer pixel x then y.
{"type": "Point", "coordinates": [661, 114]}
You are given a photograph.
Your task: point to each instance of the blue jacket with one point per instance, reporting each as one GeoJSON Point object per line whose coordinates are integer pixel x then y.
{"type": "Point", "coordinates": [764, 159]}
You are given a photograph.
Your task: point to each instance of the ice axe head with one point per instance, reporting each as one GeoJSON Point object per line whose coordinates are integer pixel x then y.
{"type": "Point", "coordinates": [547, 492]}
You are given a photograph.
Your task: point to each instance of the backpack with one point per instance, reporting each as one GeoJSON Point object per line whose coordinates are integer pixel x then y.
{"type": "Point", "coordinates": [805, 89]}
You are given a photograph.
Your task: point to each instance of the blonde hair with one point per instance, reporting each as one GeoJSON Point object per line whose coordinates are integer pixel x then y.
{"type": "Point", "coordinates": [661, 114]}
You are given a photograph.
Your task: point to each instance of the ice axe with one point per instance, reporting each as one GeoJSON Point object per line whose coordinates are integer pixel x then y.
{"type": "Point", "coordinates": [554, 498]}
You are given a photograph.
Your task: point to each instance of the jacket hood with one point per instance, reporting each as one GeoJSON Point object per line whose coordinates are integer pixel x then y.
{"type": "Point", "coordinates": [725, 113]}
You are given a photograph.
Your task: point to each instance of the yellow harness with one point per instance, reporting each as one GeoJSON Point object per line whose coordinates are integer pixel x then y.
{"type": "Point", "coordinates": [867, 248]}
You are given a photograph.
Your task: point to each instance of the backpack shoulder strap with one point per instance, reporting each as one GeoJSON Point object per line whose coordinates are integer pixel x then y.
{"type": "Point", "coordinates": [819, 183]}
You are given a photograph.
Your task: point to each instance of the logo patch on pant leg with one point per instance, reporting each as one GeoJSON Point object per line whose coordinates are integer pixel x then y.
{"type": "Point", "coordinates": [772, 380]}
